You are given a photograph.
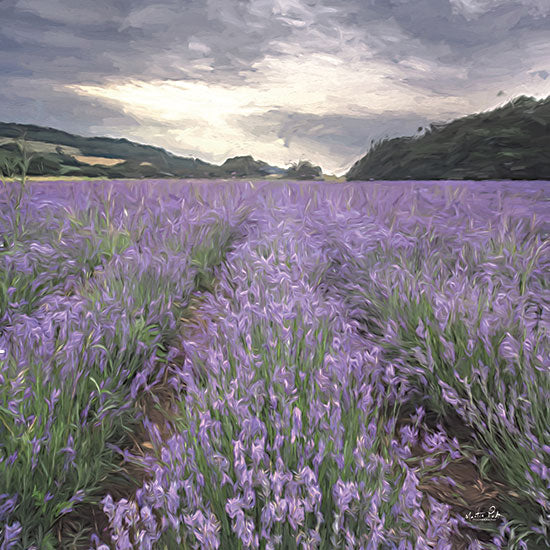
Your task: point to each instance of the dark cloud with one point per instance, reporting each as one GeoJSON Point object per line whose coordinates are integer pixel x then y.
{"type": "Point", "coordinates": [90, 41]}
{"type": "Point", "coordinates": [140, 39]}
{"type": "Point", "coordinates": [441, 48]}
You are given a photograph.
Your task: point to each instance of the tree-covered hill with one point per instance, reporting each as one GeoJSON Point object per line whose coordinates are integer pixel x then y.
{"type": "Point", "coordinates": [511, 142]}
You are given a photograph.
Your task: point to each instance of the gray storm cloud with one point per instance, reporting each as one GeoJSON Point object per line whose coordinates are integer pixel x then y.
{"type": "Point", "coordinates": [278, 79]}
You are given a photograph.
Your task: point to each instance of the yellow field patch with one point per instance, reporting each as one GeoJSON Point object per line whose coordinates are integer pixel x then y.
{"type": "Point", "coordinates": [103, 161]}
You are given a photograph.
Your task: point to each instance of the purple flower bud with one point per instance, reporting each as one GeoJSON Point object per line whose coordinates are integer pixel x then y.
{"type": "Point", "coordinates": [11, 535]}
{"type": "Point", "coordinates": [296, 424]}
{"type": "Point", "coordinates": [12, 458]}
{"type": "Point", "coordinates": [295, 512]}
{"type": "Point", "coordinates": [8, 506]}
{"type": "Point", "coordinates": [344, 493]}
{"type": "Point", "coordinates": [421, 330]}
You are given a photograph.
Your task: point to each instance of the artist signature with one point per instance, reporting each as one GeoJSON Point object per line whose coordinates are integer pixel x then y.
{"type": "Point", "coordinates": [491, 515]}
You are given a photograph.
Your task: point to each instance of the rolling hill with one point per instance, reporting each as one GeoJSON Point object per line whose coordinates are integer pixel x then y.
{"type": "Point", "coordinates": [511, 142]}
{"type": "Point", "coordinates": [57, 153]}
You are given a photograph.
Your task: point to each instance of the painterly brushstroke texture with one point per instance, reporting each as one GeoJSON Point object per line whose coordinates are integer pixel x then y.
{"type": "Point", "coordinates": [337, 355]}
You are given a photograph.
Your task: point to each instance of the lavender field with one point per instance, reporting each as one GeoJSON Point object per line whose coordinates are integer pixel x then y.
{"type": "Point", "coordinates": [274, 365]}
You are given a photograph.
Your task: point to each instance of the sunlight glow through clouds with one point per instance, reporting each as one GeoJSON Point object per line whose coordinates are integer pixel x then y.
{"type": "Point", "coordinates": [282, 80]}
{"type": "Point", "coordinates": [308, 84]}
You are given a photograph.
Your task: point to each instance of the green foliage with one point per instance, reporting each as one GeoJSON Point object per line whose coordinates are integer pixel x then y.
{"type": "Point", "coordinates": [38, 434]}
{"type": "Point", "coordinates": [304, 170]}
{"type": "Point", "coordinates": [55, 154]}
{"type": "Point", "coordinates": [506, 459]}
{"type": "Point", "coordinates": [507, 143]}
{"type": "Point", "coordinates": [94, 408]}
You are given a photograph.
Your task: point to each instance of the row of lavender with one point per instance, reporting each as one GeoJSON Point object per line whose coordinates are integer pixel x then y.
{"type": "Point", "coordinates": [327, 313]}
{"type": "Point", "coordinates": [91, 287]}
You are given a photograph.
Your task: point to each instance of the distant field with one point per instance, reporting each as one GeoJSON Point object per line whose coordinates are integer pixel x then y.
{"type": "Point", "coordinates": [101, 160]}
{"type": "Point", "coordinates": [271, 364]}
{"type": "Point", "coordinates": [42, 147]}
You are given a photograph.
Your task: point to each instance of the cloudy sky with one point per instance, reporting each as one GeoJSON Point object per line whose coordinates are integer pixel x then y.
{"type": "Point", "coordinates": [283, 80]}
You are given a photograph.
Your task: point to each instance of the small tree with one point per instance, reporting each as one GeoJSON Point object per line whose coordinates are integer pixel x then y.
{"type": "Point", "coordinates": [304, 170]}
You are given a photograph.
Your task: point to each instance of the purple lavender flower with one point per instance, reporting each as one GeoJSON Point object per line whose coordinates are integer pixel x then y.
{"type": "Point", "coordinates": [344, 493]}
{"type": "Point", "coordinates": [70, 452]}
{"type": "Point", "coordinates": [7, 506]}
{"type": "Point", "coordinates": [295, 512]}
{"type": "Point", "coordinates": [11, 535]}
{"type": "Point", "coordinates": [296, 424]}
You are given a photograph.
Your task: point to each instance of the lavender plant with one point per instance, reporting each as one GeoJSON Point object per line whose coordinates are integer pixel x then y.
{"type": "Point", "coordinates": [328, 332]}
{"type": "Point", "coordinates": [80, 347]}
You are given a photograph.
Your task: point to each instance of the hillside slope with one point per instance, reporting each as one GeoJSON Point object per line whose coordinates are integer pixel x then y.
{"type": "Point", "coordinates": [57, 153]}
{"type": "Point", "coordinates": [511, 142]}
